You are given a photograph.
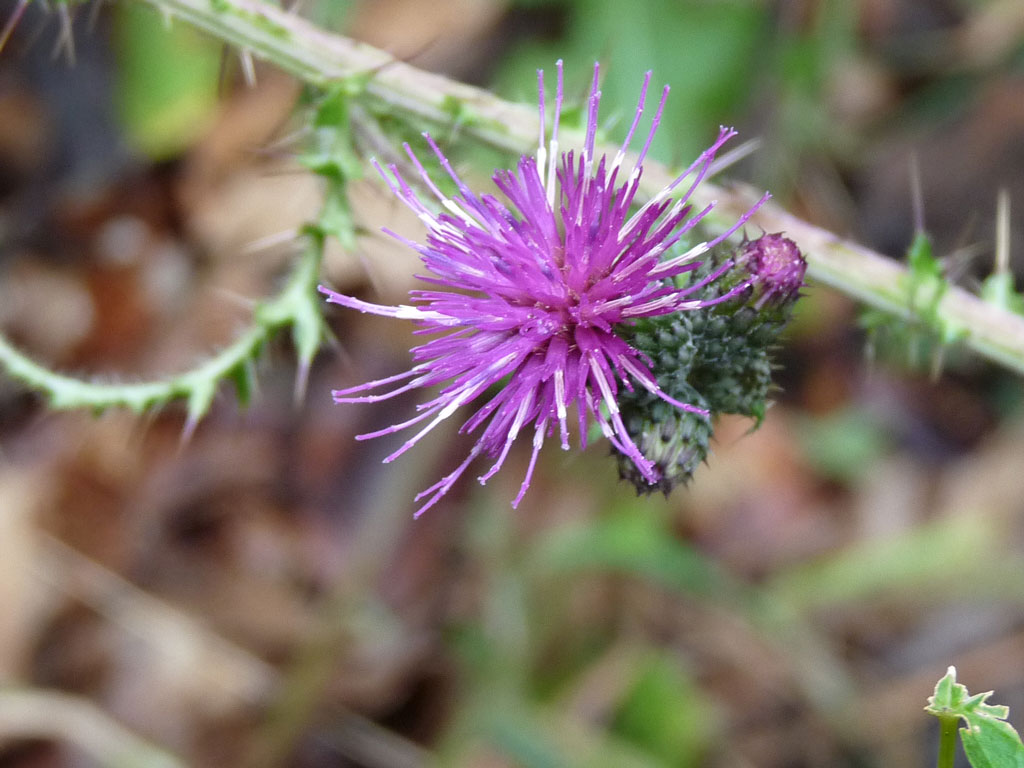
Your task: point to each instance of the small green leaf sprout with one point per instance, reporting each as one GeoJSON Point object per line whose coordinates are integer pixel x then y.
{"type": "Point", "coordinates": [989, 741]}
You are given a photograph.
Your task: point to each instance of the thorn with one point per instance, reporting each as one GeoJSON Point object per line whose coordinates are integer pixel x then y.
{"type": "Point", "coordinates": [1003, 232]}
{"type": "Point", "coordinates": [238, 299]}
{"type": "Point", "coordinates": [94, 15]}
{"type": "Point", "coordinates": [272, 241]}
{"type": "Point", "coordinates": [733, 156]}
{"type": "Point", "coordinates": [143, 425]}
{"type": "Point", "coordinates": [34, 35]}
{"type": "Point", "coordinates": [222, 72]}
{"type": "Point", "coordinates": [254, 380]}
{"type": "Point", "coordinates": [287, 142]}
{"type": "Point", "coordinates": [19, 11]}
{"type": "Point", "coordinates": [66, 38]}
{"type": "Point", "coordinates": [337, 348]}
{"type": "Point", "coordinates": [188, 430]}
{"type": "Point", "coordinates": [956, 264]}
{"type": "Point", "coordinates": [938, 359]}
{"type": "Point", "coordinates": [301, 382]}
{"type": "Point", "coordinates": [913, 348]}
{"type": "Point", "coordinates": [248, 67]}
{"type": "Point", "coordinates": [916, 195]}
{"type": "Point", "coordinates": [870, 353]}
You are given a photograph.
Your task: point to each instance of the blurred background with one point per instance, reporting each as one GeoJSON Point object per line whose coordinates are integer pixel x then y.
{"type": "Point", "coordinates": [261, 595]}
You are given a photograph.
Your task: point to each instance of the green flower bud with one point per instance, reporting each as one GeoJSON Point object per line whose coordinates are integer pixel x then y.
{"type": "Point", "coordinates": [717, 357]}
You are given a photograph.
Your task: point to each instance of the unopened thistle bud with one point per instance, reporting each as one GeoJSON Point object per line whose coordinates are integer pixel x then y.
{"type": "Point", "coordinates": [776, 268]}
{"type": "Point", "coordinates": [717, 357]}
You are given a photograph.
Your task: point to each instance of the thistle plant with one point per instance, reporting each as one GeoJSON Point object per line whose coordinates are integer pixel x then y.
{"type": "Point", "coordinates": [381, 90]}
{"type": "Point", "coordinates": [591, 293]}
{"type": "Point", "coordinates": [555, 277]}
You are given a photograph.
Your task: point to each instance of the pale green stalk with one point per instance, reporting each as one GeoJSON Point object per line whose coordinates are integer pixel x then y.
{"type": "Point", "coordinates": [318, 57]}
{"type": "Point", "coordinates": [948, 725]}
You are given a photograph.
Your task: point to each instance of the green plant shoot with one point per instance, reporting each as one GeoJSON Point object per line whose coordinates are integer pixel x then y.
{"type": "Point", "coordinates": [989, 741]}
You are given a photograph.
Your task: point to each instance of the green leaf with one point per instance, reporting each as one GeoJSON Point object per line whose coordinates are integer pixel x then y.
{"type": "Point", "coordinates": [989, 741]}
{"type": "Point", "coordinates": [200, 399]}
{"type": "Point", "coordinates": [244, 377]}
{"type": "Point", "coordinates": [307, 331]}
{"type": "Point", "coordinates": [332, 154]}
{"type": "Point", "coordinates": [336, 217]}
{"type": "Point", "coordinates": [331, 151]}
{"type": "Point", "coordinates": [994, 744]}
{"type": "Point", "coordinates": [921, 258]}
{"type": "Point", "coordinates": [926, 286]}
{"type": "Point", "coordinates": [927, 332]}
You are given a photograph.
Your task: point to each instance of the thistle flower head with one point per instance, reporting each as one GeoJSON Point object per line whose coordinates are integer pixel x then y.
{"type": "Point", "coordinates": [528, 293]}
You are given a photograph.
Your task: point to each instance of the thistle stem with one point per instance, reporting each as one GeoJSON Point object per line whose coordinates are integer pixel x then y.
{"type": "Point", "coordinates": [397, 88]}
{"type": "Point", "coordinates": [296, 302]}
{"type": "Point", "coordinates": [947, 740]}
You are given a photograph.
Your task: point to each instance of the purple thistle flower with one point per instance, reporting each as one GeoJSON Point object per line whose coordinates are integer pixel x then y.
{"type": "Point", "coordinates": [530, 289]}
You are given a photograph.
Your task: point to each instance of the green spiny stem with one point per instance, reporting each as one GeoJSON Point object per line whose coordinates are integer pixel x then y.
{"type": "Point", "coordinates": [68, 392]}
{"type": "Point", "coordinates": [297, 305]}
{"type": "Point", "coordinates": [390, 85]}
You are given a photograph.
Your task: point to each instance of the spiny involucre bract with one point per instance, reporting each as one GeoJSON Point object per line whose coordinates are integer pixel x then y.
{"type": "Point", "coordinates": [717, 356]}
{"type": "Point", "coordinates": [529, 292]}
